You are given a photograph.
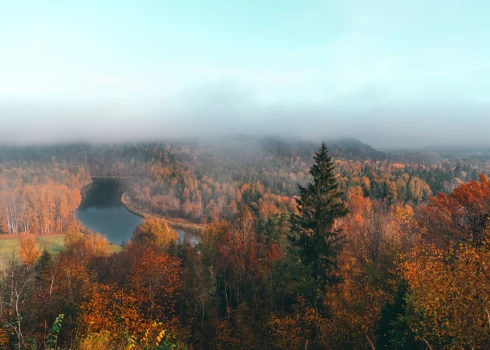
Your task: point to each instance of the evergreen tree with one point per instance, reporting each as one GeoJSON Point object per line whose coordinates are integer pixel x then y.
{"type": "Point", "coordinates": [474, 175]}
{"type": "Point", "coordinates": [393, 330]}
{"type": "Point", "coordinates": [44, 262]}
{"type": "Point", "coordinates": [314, 236]}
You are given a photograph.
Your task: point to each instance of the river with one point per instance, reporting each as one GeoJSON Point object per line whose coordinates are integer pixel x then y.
{"type": "Point", "coordinates": [101, 211]}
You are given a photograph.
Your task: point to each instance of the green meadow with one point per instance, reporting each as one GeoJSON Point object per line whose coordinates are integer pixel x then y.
{"type": "Point", "coordinates": [53, 243]}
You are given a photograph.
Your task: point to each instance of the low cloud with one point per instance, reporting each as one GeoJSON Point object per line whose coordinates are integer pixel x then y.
{"type": "Point", "coordinates": [220, 110]}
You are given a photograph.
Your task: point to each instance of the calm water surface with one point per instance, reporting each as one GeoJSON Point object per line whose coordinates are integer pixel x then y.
{"type": "Point", "coordinates": [101, 211]}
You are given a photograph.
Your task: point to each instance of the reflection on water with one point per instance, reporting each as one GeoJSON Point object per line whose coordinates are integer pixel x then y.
{"type": "Point", "coordinates": [101, 211]}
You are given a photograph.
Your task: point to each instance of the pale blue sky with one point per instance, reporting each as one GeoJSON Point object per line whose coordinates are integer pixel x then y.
{"type": "Point", "coordinates": [357, 63]}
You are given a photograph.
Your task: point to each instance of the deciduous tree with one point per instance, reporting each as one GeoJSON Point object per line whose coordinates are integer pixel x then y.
{"type": "Point", "coordinates": [29, 253]}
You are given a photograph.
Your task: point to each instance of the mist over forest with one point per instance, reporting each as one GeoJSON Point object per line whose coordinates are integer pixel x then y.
{"type": "Point", "coordinates": [219, 116]}
{"type": "Point", "coordinates": [244, 175]}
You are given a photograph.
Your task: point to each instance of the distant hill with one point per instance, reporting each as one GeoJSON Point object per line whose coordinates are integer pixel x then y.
{"type": "Point", "coordinates": [347, 148]}
{"type": "Point", "coordinates": [352, 148]}
{"type": "Point", "coordinates": [237, 148]}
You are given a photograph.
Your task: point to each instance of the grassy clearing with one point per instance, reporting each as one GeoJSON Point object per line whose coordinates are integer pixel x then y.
{"type": "Point", "coordinates": [54, 243]}
{"type": "Point", "coordinates": [114, 248]}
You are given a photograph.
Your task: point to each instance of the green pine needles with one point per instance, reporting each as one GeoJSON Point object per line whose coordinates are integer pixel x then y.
{"type": "Point", "coordinates": [314, 237]}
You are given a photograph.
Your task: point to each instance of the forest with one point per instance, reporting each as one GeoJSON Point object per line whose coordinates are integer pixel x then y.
{"type": "Point", "coordinates": [302, 246]}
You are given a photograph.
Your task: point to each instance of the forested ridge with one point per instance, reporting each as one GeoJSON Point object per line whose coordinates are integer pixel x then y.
{"type": "Point", "coordinates": [337, 247]}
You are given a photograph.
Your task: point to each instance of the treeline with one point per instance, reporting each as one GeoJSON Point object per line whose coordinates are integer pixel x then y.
{"type": "Point", "coordinates": [38, 208]}
{"type": "Point", "coordinates": [386, 274]}
{"type": "Point", "coordinates": [39, 199]}
{"type": "Point", "coordinates": [219, 190]}
{"type": "Point", "coordinates": [211, 181]}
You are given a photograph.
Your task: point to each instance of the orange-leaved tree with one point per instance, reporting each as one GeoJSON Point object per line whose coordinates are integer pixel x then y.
{"type": "Point", "coordinates": [86, 245]}
{"type": "Point", "coordinates": [147, 293]}
{"type": "Point", "coordinates": [460, 215]}
{"type": "Point", "coordinates": [29, 253]}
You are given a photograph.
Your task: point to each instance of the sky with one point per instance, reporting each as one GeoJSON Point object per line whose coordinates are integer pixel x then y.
{"type": "Point", "coordinates": [391, 73]}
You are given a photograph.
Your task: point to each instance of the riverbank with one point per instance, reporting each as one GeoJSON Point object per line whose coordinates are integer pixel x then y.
{"type": "Point", "coordinates": [176, 223]}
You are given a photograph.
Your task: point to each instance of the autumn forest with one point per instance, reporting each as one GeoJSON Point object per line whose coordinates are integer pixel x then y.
{"type": "Point", "coordinates": [301, 245]}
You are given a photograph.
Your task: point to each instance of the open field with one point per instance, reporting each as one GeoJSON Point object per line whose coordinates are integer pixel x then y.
{"type": "Point", "coordinates": [54, 243]}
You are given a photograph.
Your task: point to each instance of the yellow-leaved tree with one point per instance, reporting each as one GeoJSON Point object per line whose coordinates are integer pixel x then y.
{"type": "Point", "coordinates": [29, 253]}
{"type": "Point", "coordinates": [155, 233]}
{"type": "Point", "coordinates": [449, 295]}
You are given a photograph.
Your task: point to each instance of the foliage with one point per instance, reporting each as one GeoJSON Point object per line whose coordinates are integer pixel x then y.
{"type": "Point", "coordinates": [86, 245]}
{"type": "Point", "coordinates": [461, 215]}
{"type": "Point", "coordinates": [29, 253]}
{"type": "Point", "coordinates": [96, 341]}
{"type": "Point", "coordinates": [393, 329]}
{"type": "Point", "coordinates": [449, 292]}
{"type": "Point", "coordinates": [313, 233]}
{"type": "Point", "coordinates": [412, 271]}
{"type": "Point", "coordinates": [52, 339]}
{"type": "Point", "coordinates": [155, 233]}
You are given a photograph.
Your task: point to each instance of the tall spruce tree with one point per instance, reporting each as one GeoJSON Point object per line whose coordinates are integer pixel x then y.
{"type": "Point", "coordinates": [313, 235]}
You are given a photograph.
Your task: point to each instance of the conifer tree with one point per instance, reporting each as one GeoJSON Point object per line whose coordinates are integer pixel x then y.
{"type": "Point", "coordinates": [313, 231]}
